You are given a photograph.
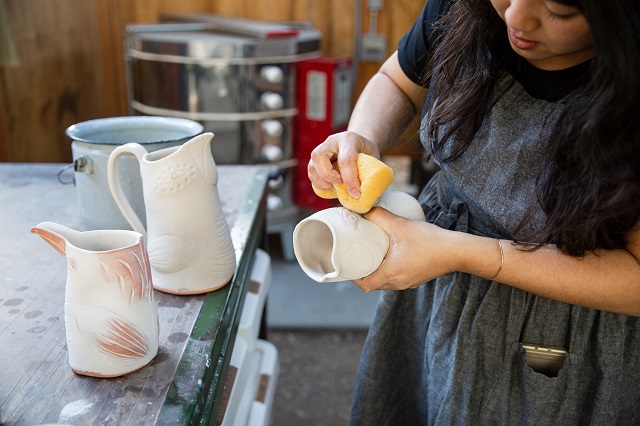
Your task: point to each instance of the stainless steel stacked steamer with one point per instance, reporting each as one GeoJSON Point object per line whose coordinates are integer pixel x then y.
{"type": "Point", "coordinates": [237, 78]}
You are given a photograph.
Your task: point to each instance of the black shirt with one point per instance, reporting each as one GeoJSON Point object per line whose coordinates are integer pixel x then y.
{"type": "Point", "coordinates": [416, 46]}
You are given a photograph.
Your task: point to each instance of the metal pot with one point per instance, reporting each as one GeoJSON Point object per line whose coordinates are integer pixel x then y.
{"type": "Point", "coordinates": [93, 142]}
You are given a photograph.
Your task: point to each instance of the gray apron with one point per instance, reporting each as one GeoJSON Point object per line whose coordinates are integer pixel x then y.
{"type": "Point", "coordinates": [449, 351]}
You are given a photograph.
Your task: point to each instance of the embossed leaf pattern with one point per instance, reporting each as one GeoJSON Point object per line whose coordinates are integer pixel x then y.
{"type": "Point", "coordinates": [131, 271]}
{"type": "Point", "coordinates": [123, 340]}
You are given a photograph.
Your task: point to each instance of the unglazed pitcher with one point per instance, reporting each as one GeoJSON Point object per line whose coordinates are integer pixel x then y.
{"type": "Point", "coordinates": [189, 241]}
{"type": "Point", "coordinates": [111, 320]}
{"type": "Point", "coordinates": [337, 244]}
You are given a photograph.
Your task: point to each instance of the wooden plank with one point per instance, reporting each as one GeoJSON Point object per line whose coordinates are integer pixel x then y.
{"type": "Point", "coordinates": [57, 82]}
{"type": "Point", "coordinates": [402, 15]}
{"type": "Point", "coordinates": [8, 58]}
{"type": "Point", "coordinates": [111, 19]}
{"type": "Point", "coordinates": [142, 12]}
{"type": "Point", "coordinates": [318, 13]}
{"type": "Point", "coordinates": [184, 6]}
{"type": "Point", "coordinates": [233, 8]}
{"type": "Point", "coordinates": [4, 145]}
{"type": "Point", "coordinates": [273, 10]}
{"type": "Point", "coordinates": [341, 31]}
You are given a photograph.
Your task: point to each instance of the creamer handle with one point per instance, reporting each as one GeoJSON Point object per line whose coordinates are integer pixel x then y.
{"type": "Point", "coordinates": [113, 173]}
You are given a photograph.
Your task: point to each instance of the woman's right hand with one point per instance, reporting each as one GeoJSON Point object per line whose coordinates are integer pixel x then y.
{"type": "Point", "coordinates": [344, 148]}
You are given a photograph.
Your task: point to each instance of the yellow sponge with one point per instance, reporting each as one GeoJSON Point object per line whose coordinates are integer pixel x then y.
{"type": "Point", "coordinates": [375, 177]}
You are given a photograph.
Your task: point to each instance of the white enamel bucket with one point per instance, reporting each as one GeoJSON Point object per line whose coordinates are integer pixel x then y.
{"type": "Point", "coordinates": [92, 143]}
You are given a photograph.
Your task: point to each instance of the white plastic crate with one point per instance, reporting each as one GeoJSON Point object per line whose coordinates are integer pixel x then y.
{"type": "Point", "coordinates": [250, 386]}
{"type": "Point", "coordinates": [255, 299]}
{"type": "Point", "coordinates": [238, 378]}
{"type": "Point", "coordinates": [266, 390]}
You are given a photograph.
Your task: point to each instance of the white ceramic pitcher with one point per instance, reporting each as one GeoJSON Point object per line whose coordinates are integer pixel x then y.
{"type": "Point", "coordinates": [189, 241]}
{"type": "Point", "coordinates": [337, 244]}
{"type": "Point", "coordinates": [111, 320]}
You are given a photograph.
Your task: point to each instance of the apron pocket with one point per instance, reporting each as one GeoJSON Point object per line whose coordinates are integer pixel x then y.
{"type": "Point", "coordinates": [523, 396]}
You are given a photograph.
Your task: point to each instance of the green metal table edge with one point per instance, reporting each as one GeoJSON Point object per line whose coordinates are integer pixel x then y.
{"type": "Point", "coordinates": [213, 337]}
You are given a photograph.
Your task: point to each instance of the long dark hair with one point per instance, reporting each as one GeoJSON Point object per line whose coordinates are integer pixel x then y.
{"type": "Point", "coordinates": [589, 187]}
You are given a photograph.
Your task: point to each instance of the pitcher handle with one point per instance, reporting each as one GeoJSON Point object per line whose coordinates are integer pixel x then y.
{"type": "Point", "coordinates": [113, 173]}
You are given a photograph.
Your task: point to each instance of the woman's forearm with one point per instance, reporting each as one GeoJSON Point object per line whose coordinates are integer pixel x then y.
{"type": "Point", "coordinates": [608, 280]}
{"type": "Point", "coordinates": [386, 106]}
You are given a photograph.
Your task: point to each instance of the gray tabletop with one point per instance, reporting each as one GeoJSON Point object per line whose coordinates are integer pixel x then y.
{"type": "Point", "coordinates": [182, 385]}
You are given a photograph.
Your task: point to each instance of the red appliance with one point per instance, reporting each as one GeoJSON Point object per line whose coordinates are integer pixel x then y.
{"type": "Point", "coordinates": [324, 104]}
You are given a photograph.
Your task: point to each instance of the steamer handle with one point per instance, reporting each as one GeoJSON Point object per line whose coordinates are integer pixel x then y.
{"type": "Point", "coordinates": [113, 173]}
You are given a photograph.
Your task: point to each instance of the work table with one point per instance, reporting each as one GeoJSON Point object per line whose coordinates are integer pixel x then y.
{"type": "Point", "coordinates": [182, 385]}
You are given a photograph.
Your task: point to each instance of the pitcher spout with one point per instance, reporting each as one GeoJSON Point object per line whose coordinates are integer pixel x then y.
{"type": "Point", "coordinates": [199, 149]}
{"type": "Point", "coordinates": [200, 144]}
{"type": "Point", "coordinates": [54, 234]}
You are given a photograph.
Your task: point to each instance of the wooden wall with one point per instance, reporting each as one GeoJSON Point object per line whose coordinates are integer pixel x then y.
{"type": "Point", "coordinates": [70, 64]}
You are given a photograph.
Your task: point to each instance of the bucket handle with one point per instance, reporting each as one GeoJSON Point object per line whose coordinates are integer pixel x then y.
{"type": "Point", "coordinates": [113, 175]}
{"type": "Point", "coordinates": [80, 164]}
{"type": "Point", "coordinates": [63, 180]}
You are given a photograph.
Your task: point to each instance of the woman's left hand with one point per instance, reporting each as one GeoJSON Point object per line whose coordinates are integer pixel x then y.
{"type": "Point", "coordinates": [418, 252]}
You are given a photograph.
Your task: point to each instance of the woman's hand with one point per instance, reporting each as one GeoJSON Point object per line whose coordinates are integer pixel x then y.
{"type": "Point", "coordinates": [344, 148]}
{"type": "Point", "coordinates": [418, 252]}
{"type": "Point", "coordinates": [386, 106]}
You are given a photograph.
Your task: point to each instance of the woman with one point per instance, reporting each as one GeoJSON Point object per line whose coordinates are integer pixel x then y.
{"type": "Point", "coordinates": [532, 236]}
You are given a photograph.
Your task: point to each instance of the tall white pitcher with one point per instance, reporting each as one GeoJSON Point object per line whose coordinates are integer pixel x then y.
{"type": "Point", "coordinates": [189, 242]}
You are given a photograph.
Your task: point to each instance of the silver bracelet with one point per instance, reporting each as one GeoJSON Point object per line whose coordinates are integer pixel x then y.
{"type": "Point", "coordinates": [501, 260]}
